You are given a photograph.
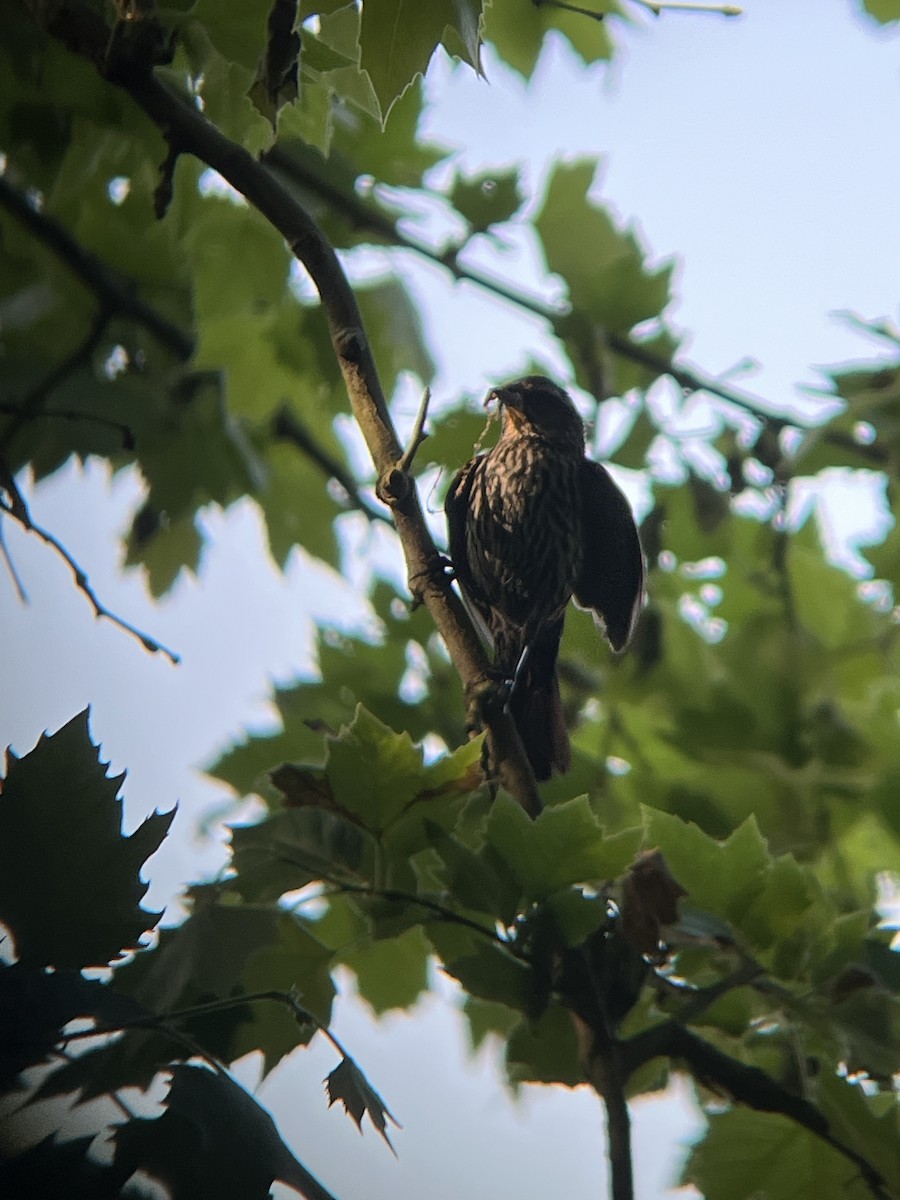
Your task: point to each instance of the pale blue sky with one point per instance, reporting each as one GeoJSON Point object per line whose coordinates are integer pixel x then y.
{"type": "Point", "coordinates": [760, 152]}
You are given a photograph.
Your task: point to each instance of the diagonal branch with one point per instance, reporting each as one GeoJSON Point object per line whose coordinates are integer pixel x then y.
{"type": "Point", "coordinates": [745, 1084]}
{"type": "Point", "coordinates": [85, 32]}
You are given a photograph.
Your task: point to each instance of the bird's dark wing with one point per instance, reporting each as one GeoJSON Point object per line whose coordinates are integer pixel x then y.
{"type": "Point", "coordinates": [456, 510]}
{"type": "Point", "coordinates": [612, 577]}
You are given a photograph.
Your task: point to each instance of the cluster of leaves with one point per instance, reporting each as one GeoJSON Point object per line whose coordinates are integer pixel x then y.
{"type": "Point", "coordinates": [379, 862]}
{"type": "Point", "coordinates": [750, 739]}
{"type": "Point", "coordinates": [158, 1008]}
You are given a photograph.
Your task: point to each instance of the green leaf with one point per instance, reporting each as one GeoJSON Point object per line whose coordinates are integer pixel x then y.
{"type": "Point", "coordinates": [240, 261]}
{"type": "Point", "coordinates": [487, 971]}
{"type": "Point", "coordinates": [884, 11]}
{"type": "Point", "coordinates": [347, 1084]}
{"type": "Point", "coordinates": [746, 1154]}
{"type": "Point", "coordinates": [452, 438]}
{"type": "Point", "coordinates": [518, 32]}
{"type": "Point", "coordinates": [296, 964]}
{"type": "Point", "coordinates": [237, 29]}
{"type": "Point", "coordinates": [295, 847]}
{"type": "Point", "coordinates": [487, 199]}
{"type": "Point", "coordinates": [163, 548]}
{"type": "Point", "coordinates": [298, 508]}
{"type": "Point", "coordinates": [723, 876]}
{"type": "Point", "coordinates": [610, 285]}
{"type": "Point", "coordinates": [60, 825]}
{"type": "Point", "coordinates": [473, 878]}
{"type": "Point", "coordinates": [565, 845]}
{"type": "Point", "coordinates": [825, 597]}
{"type": "Point", "coordinates": [391, 972]}
{"type": "Point", "coordinates": [486, 1018]}
{"type": "Point", "coordinates": [545, 1050]}
{"type": "Point", "coordinates": [398, 38]}
{"type": "Point", "coordinates": [869, 1124]}
{"type": "Point", "coordinates": [394, 323]}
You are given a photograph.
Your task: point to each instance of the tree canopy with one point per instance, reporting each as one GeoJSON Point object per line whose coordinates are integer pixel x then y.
{"type": "Point", "coordinates": [190, 201]}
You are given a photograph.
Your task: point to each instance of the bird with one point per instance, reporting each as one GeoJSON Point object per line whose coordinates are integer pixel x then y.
{"type": "Point", "coordinates": [532, 524]}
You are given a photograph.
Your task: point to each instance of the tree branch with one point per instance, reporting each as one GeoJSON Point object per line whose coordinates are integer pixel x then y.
{"type": "Point", "coordinates": [746, 1084]}
{"type": "Point", "coordinates": [85, 32]}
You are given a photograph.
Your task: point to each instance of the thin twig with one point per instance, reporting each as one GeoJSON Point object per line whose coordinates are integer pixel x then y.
{"type": "Point", "coordinates": [721, 10]}
{"type": "Point", "coordinates": [162, 1022]}
{"type": "Point", "coordinates": [14, 508]}
{"type": "Point", "coordinates": [11, 567]}
{"type": "Point", "coordinates": [418, 435]}
{"type": "Point", "coordinates": [446, 914]}
{"type": "Point", "coordinates": [575, 8]}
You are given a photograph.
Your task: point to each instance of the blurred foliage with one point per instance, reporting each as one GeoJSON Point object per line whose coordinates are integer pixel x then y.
{"type": "Point", "coordinates": [750, 736]}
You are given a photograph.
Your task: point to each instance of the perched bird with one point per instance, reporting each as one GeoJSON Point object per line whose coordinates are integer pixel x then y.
{"type": "Point", "coordinates": [532, 523]}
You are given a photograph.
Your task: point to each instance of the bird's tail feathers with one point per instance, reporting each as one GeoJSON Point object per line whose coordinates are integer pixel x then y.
{"type": "Point", "coordinates": [537, 710]}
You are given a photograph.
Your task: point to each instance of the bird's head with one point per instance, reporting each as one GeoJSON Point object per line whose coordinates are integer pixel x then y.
{"type": "Point", "coordinates": [535, 405]}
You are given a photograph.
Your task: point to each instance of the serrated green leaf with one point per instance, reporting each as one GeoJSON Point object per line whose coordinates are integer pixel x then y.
{"type": "Point", "coordinates": [398, 37]}
{"type": "Point", "coordinates": [298, 963]}
{"type": "Point", "coordinates": [746, 1153]}
{"type": "Point", "coordinates": [374, 772]}
{"type": "Point", "coordinates": [518, 32]}
{"type": "Point", "coordinates": [295, 847]}
{"type": "Point", "coordinates": [487, 1017]}
{"type": "Point", "coordinates": [545, 1050]}
{"type": "Point", "coordinates": [347, 1084]}
{"type": "Point", "coordinates": [487, 199]}
{"type": "Point", "coordinates": [565, 845]}
{"type": "Point", "coordinates": [724, 876]}
{"type": "Point", "coordinates": [60, 824]}
{"type": "Point", "coordinates": [164, 550]}
{"type": "Point", "coordinates": [392, 972]}
{"type": "Point", "coordinates": [609, 284]}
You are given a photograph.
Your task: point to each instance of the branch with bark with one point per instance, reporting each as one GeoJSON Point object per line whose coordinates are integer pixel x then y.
{"type": "Point", "coordinates": [122, 58]}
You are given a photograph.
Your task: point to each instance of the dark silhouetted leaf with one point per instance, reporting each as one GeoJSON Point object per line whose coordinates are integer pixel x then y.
{"type": "Point", "coordinates": [347, 1084]}
{"type": "Point", "coordinates": [60, 824]}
